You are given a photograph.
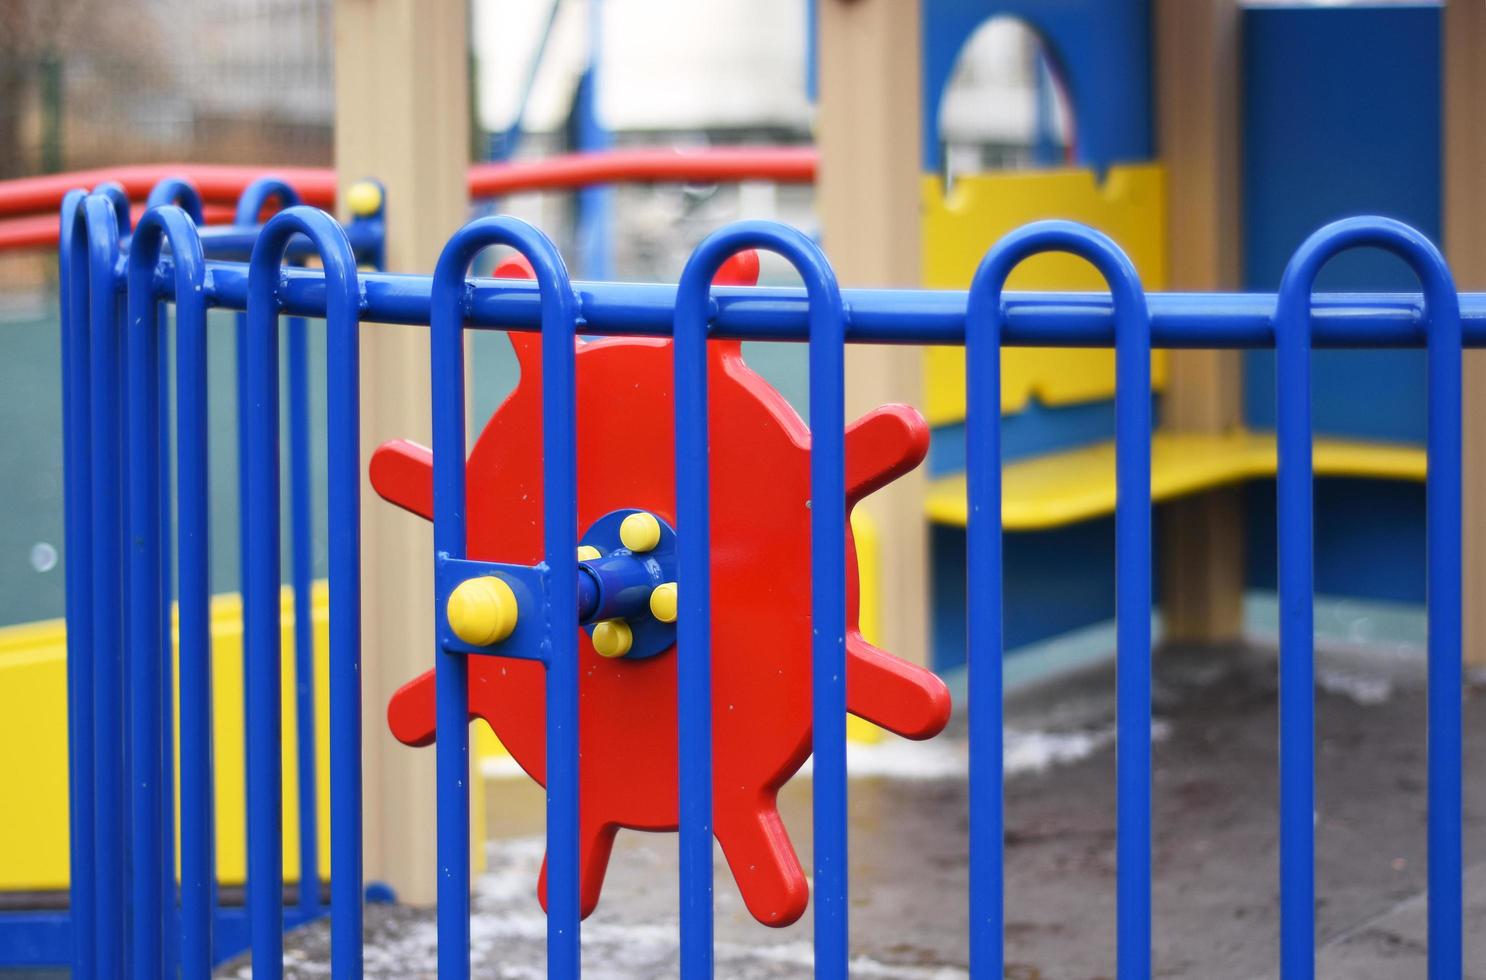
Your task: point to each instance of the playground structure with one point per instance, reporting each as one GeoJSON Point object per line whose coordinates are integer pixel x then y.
{"type": "Point", "coordinates": [1074, 421]}
{"type": "Point", "coordinates": [985, 320]}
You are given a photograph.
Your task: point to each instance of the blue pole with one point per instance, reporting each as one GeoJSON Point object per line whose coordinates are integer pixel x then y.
{"type": "Point", "coordinates": [1133, 607]}
{"type": "Point", "coordinates": [984, 319]}
{"type": "Point", "coordinates": [985, 637]}
{"type": "Point", "coordinates": [595, 211]}
{"type": "Point", "coordinates": [1446, 762]}
{"type": "Point", "coordinates": [250, 204]}
{"type": "Point", "coordinates": [1443, 533]}
{"type": "Point", "coordinates": [73, 276]}
{"type": "Point", "coordinates": [109, 846]}
{"type": "Point", "coordinates": [146, 712]}
{"type": "Point", "coordinates": [261, 588]}
{"type": "Point", "coordinates": [181, 192]}
{"type": "Point", "coordinates": [1297, 653]}
{"type": "Point", "coordinates": [559, 324]}
{"type": "Point", "coordinates": [179, 228]}
{"type": "Point", "coordinates": [694, 613]}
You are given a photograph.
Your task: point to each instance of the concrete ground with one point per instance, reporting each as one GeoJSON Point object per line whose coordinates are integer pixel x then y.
{"type": "Point", "coordinates": [1216, 907]}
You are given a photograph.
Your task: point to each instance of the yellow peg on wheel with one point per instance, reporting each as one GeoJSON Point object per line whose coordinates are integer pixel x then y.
{"type": "Point", "coordinates": [482, 610]}
{"type": "Point", "coordinates": [612, 638]}
{"type": "Point", "coordinates": [663, 602]}
{"type": "Point", "coordinates": [640, 532]}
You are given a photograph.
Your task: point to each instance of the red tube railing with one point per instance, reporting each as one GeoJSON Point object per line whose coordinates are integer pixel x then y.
{"type": "Point", "coordinates": [28, 206]}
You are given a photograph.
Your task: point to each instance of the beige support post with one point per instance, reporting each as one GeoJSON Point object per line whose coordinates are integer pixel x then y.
{"type": "Point", "coordinates": [1465, 247]}
{"type": "Point", "coordinates": [402, 116]}
{"type": "Point", "coordinates": [1197, 67]}
{"type": "Point", "coordinates": [867, 195]}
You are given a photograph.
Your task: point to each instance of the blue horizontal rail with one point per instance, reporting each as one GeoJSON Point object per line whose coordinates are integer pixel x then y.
{"type": "Point", "coordinates": [880, 316]}
{"type": "Point", "coordinates": [116, 590]}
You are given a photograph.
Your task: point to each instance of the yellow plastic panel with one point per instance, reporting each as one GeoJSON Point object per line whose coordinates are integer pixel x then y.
{"type": "Point", "coordinates": [1061, 488]}
{"type": "Point", "coordinates": [869, 593]}
{"type": "Point", "coordinates": [33, 758]}
{"type": "Point", "coordinates": [33, 746]}
{"type": "Point", "coordinates": [958, 229]}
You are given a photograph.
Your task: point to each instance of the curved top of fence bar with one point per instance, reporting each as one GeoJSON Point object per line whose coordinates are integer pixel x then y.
{"type": "Point", "coordinates": [1127, 295]}
{"type": "Point", "coordinates": [1441, 302]}
{"type": "Point", "coordinates": [338, 275]}
{"type": "Point", "coordinates": [448, 310]}
{"type": "Point", "coordinates": [169, 222]}
{"type": "Point", "coordinates": [111, 190]}
{"type": "Point", "coordinates": [178, 191]}
{"type": "Point", "coordinates": [257, 194]}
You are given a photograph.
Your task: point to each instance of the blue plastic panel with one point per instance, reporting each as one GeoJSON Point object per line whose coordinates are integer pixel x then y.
{"type": "Point", "coordinates": [1101, 47]}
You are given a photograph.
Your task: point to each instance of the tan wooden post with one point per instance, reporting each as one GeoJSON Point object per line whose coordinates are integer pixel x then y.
{"type": "Point", "coordinates": [1465, 247]}
{"type": "Point", "coordinates": [867, 195]}
{"type": "Point", "coordinates": [1197, 70]}
{"type": "Point", "coordinates": [402, 116]}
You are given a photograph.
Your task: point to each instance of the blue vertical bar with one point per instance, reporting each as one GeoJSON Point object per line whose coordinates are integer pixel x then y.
{"type": "Point", "coordinates": [451, 673]}
{"type": "Point", "coordinates": [1297, 653]}
{"type": "Point", "coordinates": [254, 197]}
{"type": "Point", "coordinates": [1297, 726]}
{"type": "Point", "coordinates": [984, 314]}
{"type": "Point", "coordinates": [72, 254]}
{"type": "Point", "coordinates": [261, 593]}
{"type": "Point", "coordinates": [828, 606]}
{"type": "Point", "coordinates": [595, 211]}
{"type": "Point", "coordinates": [343, 466]}
{"type": "Point", "coordinates": [146, 712]}
{"type": "Point", "coordinates": [560, 530]}
{"type": "Point", "coordinates": [985, 637]}
{"type": "Point", "coordinates": [249, 206]}
{"type": "Point", "coordinates": [261, 612]}
{"type": "Point", "coordinates": [106, 408]}
{"type": "Point", "coordinates": [559, 325]}
{"type": "Point", "coordinates": [181, 192]}
{"type": "Point", "coordinates": [1443, 516]}
{"type": "Point", "coordinates": [828, 601]}
{"type": "Point", "coordinates": [1132, 611]}
{"type": "Point", "coordinates": [694, 615]}
{"type": "Point", "coordinates": [197, 892]}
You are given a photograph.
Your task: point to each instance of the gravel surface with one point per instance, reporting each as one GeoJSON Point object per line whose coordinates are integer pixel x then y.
{"type": "Point", "coordinates": [1216, 908]}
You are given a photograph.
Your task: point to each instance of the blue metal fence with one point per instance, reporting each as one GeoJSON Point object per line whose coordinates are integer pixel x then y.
{"type": "Point", "coordinates": [124, 894]}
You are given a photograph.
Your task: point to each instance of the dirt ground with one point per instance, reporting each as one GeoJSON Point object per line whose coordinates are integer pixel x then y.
{"type": "Point", "coordinates": [1216, 906]}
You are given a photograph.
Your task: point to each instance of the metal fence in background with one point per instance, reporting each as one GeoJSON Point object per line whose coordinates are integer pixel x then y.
{"type": "Point", "coordinates": [90, 82]}
{"type": "Point", "coordinates": [114, 281]}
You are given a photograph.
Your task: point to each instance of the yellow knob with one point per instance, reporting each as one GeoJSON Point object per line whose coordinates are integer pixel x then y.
{"type": "Point", "coordinates": [587, 552]}
{"type": "Point", "coordinates": [612, 638]}
{"type": "Point", "coordinates": [663, 602]}
{"type": "Point", "coordinates": [640, 531]}
{"type": "Point", "coordinates": [364, 198]}
{"type": "Point", "coordinates": [482, 610]}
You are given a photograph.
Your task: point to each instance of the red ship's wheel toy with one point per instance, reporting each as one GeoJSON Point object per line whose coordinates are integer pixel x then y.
{"type": "Point", "coordinates": [761, 596]}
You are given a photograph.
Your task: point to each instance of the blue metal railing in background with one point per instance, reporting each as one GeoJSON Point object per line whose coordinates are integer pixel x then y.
{"type": "Point", "coordinates": [100, 266]}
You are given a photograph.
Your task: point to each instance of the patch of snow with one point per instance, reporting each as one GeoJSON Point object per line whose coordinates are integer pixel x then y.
{"type": "Point", "coordinates": [1362, 688]}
